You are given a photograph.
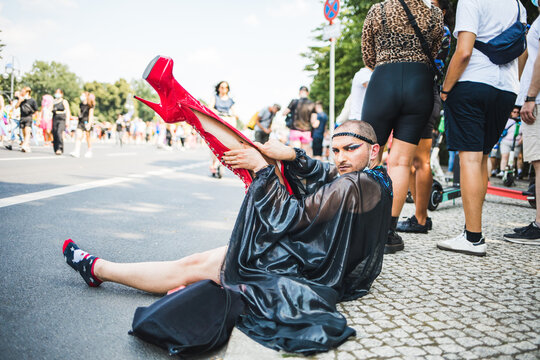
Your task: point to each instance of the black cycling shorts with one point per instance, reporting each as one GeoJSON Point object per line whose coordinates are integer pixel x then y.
{"type": "Point", "coordinates": [399, 97]}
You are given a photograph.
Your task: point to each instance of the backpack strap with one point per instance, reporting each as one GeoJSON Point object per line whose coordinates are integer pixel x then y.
{"type": "Point", "coordinates": [423, 42]}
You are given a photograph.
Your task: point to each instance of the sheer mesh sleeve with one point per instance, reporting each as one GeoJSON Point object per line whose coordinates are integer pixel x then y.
{"type": "Point", "coordinates": [293, 259]}
{"type": "Point", "coordinates": [306, 175]}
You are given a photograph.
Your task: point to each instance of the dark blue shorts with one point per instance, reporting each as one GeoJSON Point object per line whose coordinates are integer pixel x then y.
{"type": "Point", "coordinates": [475, 116]}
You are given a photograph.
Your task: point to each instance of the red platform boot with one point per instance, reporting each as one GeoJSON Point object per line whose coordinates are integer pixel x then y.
{"type": "Point", "coordinates": [176, 105]}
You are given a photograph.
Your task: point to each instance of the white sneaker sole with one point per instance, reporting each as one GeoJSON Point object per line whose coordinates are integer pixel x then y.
{"type": "Point", "coordinates": [523, 241]}
{"type": "Point", "coordinates": [462, 251]}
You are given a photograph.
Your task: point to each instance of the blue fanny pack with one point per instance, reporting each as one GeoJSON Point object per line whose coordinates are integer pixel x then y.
{"type": "Point", "coordinates": [507, 46]}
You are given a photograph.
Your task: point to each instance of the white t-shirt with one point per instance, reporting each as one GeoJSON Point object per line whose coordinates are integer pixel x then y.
{"type": "Point", "coordinates": [533, 37]}
{"type": "Point", "coordinates": [358, 92]}
{"type": "Point", "coordinates": [510, 128]}
{"type": "Point", "coordinates": [487, 19]}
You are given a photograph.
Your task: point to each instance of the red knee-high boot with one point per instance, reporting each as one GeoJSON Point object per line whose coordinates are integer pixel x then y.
{"type": "Point", "coordinates": [176, 105]}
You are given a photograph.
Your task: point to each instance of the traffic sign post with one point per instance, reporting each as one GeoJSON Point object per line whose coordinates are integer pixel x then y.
{"type": "Point", "coordinates": [331, 10]}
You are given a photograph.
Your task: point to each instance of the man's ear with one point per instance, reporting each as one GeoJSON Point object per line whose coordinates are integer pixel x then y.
{"type": "Point", "coordinates": [374, 151]}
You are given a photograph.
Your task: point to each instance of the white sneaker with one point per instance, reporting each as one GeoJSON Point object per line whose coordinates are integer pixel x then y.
{"type": "Point", "coordinates": [75, 154]}
{"type": "Point", "coordinates": [462, 245]}
{"type": "Point", "coordinates": [26, 149]}
{"type": "Point", "coordinates": [88, 154]}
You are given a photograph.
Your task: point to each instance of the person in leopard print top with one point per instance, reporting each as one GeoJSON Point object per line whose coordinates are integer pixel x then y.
{"type": "Point", "coordinates": [399, 96]}
{"type": "Point", "coordinates": [388, 37]}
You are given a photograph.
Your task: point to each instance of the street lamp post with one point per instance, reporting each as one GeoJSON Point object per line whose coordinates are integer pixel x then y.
{"type": "Point", "coordinates": [11, 70]}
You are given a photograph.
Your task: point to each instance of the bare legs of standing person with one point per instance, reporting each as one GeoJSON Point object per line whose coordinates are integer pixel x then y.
{"type": "Point", "coordinates": [88, 153]}
{"type": "Point", "coordinates": [420, 183]}
{"type": "Point", "coordinates": [473, 182]}
{"type": "Point", "coordinates": [78, 139]}
{"type": "Point", "coordinates": [473, 166]}
{"type": "Point", "coordinates": [27, 133]}
{"type": "Point", "coordinates": [399, 168]}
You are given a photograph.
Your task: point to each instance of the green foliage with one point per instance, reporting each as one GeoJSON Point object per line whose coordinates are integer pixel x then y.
{"type": "Point", "coordinates": [1, 47]}
{"type": "Point", "coordinates": [145, 91]}
{"type": "Point", "coordinates": [110, 98]}
{"type": "Point", "coordinates": [45, 78]}
{"type": "Point", "coordinates": [348, 54]}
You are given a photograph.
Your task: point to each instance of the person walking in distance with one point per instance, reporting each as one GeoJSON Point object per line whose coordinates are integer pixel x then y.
{"type": "Point", "coordinates": [304, 119]}
{"type": "Point", "coordinates": [45, 118]}
{"type": "Point", "coordinates": [223, 105]}
{"type": "Point", "coordinates": [61, 116]}
{"type": "Point", "coordinates": [28, 108]}
{"type": "Point", "coordinates": [264, 123]}
{"type": "Point", "coordinates": [318, 131]}
{"type": "Point", "coordinates": [478, 96]}
{"type": "Point", "coordinates": [84, 127]}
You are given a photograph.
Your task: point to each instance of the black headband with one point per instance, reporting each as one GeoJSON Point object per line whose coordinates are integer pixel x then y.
{"type": "Point", "coordinates": [363, 138]}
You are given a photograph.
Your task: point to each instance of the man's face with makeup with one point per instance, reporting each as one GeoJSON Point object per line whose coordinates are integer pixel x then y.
{"type": "Point", "coordinates": [350, 154]}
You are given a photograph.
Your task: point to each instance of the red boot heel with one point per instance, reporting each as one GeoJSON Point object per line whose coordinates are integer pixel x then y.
{"type": "Point", "coordinates": [176, 104]}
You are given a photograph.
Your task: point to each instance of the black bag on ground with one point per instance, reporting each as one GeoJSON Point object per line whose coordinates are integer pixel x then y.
{"type": "Point", "coordinates": [190, 321]}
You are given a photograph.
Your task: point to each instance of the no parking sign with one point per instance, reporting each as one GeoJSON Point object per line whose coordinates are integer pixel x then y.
{"type": "Point", "coordinates": [331, 9]}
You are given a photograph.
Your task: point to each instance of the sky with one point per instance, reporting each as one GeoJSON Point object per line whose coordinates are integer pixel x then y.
{"type": "Point", "coordinates": [253, 44]}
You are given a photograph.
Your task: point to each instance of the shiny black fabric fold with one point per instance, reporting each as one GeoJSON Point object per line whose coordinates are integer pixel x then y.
{"type": "Point", "coordinates": [294, 257]}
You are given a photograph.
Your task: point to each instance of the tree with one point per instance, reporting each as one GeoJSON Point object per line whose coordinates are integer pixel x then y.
{"type": "Point", "coordinates": [348, 54]}
{"type": "Point", "coordinates": [110, 98]}
{"type": "Point", "coordinates": [145, 91]}
{"type": "Point", "coordinates": [45, 78]}
{"type": "Point", "coordinates": [1, 47]}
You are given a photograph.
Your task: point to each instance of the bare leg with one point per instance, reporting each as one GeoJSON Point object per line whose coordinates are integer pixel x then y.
{"type": "Point", "coordinates": [399, 169]}
{"type": "Point", "coordinates": [160, 277]}
{"type": "Point", "coordinates": [412, 182]}
{"type": "Point", "coordinates": [424, 179]}
{"type": "Point", "coordinates": [88, 140]}
{"type": "Point", "coordinates": [520, 162]}
{"type": "Point", "coordinates": [474, 179]}
{"type": "Point", "coordinates": [504, 161]}
{"type": "Point", "coordinates": [27, 134]}
{"type": "Point", "coordinates": [78, 138]}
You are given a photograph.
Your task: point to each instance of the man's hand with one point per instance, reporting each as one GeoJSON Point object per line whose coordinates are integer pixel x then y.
{"type": "Point", "coordinates": [528, 112]}
{"type": "Point", "coordinates": [249, 159]}
{"type": "Point", "coordinates": [276, 150]}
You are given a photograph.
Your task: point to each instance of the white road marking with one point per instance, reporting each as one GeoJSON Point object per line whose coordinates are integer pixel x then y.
{"type": "Point", "coordinates": [39, 195]}
{"type": "Point", "coordinates": [32, 158]}
{"type": "Point", "coordinates": [122, 154]}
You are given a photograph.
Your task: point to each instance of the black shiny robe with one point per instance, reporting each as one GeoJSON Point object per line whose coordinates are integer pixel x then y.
{"type": "Point", "coordinates": [294, 257]}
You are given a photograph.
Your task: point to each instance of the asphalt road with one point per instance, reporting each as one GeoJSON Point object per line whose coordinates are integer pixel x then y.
{"type": "Point", "coordinates": [135, 203]}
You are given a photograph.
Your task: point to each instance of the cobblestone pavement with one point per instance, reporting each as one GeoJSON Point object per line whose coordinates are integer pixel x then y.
{"type": "Point", "coordinates": [435, 304]}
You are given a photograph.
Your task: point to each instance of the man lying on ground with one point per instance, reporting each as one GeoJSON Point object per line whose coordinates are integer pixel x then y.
{"type": "Point", "coordinates": [292, 258]}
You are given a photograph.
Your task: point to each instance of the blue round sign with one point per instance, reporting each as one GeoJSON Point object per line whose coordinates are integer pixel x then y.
{"type": "Point", "coordinates": [331, 9]}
